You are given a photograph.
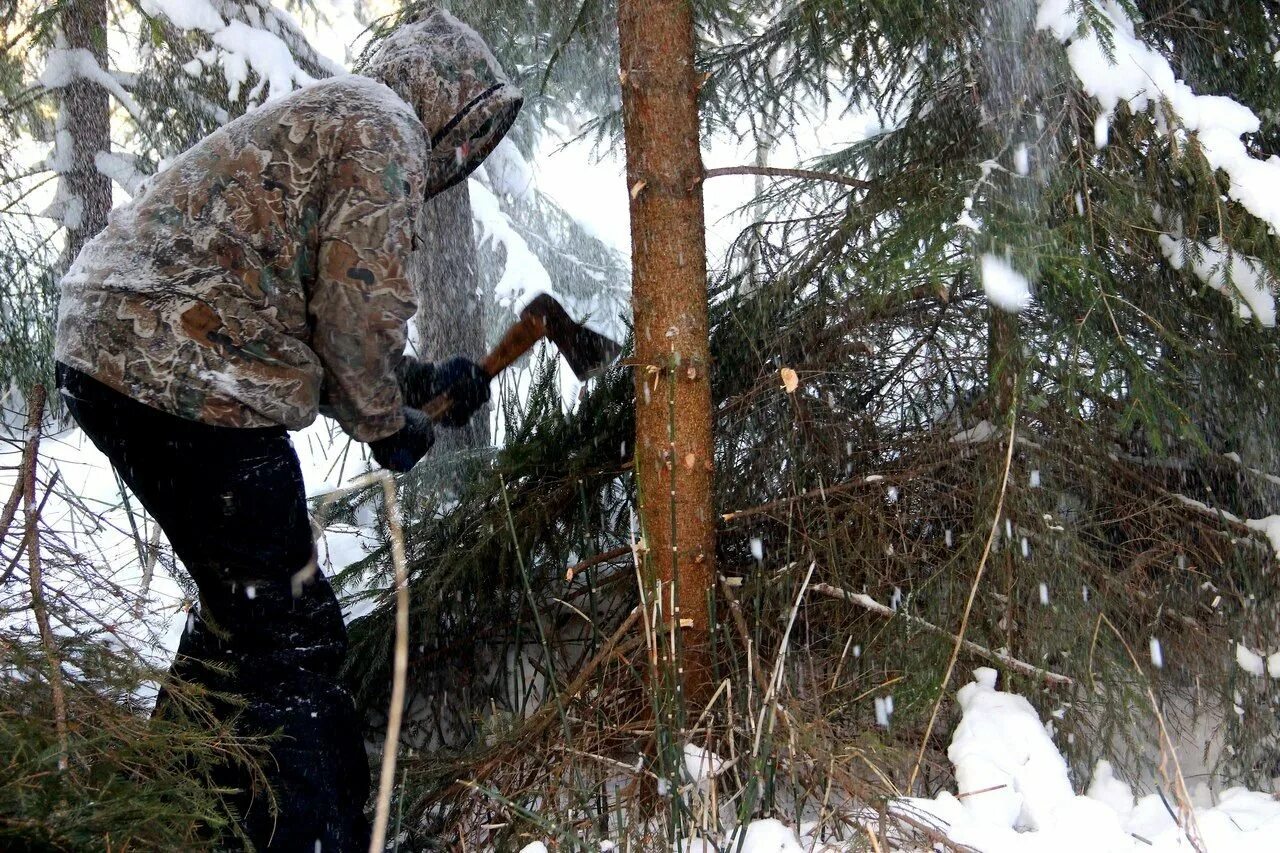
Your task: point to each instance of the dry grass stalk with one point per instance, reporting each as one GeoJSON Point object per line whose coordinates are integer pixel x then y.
{"type": "Point", "coordinates": [395, 713]}
{"type": "Point", "coordinates": [1168, 753]}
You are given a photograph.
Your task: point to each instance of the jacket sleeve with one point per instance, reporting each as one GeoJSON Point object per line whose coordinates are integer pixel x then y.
{"type": "Point", "coordinates": [361, 300]}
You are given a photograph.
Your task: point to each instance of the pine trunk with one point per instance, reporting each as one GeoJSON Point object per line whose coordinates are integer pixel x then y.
{"type": "Point", "coordinates": [86, 115]}
{"type": "Point", "coordinates": [673, 452]}
{"type": "Point", "coordinates": [451, 313]}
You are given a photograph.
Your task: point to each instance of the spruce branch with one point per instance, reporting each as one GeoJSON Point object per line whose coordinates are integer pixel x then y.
{"type": "Point", "coordinates": [868, 603]}
{"type": "Point", "coordinates": [776, 172]}
{"type": "Point", "coordinates": [35, 413]}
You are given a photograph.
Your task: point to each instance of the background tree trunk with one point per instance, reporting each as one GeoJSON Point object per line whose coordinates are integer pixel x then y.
{"type": "Point", "coordinates": [451, 313]}
{"type": "Point", "coordinates": [673, 451]}
{"type": "Point", "coordinates": [85, 113]}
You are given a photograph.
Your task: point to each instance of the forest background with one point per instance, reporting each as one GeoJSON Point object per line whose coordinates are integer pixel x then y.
{"type": "Point", "coordinates": [993, 359]}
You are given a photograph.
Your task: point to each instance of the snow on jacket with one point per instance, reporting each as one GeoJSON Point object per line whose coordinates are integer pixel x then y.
{"type": "Point", "coordinates": [261, 277]}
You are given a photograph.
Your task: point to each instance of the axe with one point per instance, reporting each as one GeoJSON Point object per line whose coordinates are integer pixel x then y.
{"type": "Point", "coordinates": [544, 317]}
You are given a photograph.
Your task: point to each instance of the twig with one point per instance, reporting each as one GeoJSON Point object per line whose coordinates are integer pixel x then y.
{"type": "Point", "coordinates": [740, 621]}
{"type": "Point", "coordinates": [773, 171]}
{"type": "Point", "coordinates": [868, 603]}
{"type": "Point", "coordinates": [148, 568]}
{"type": "Point", "coordinates": [775, 679]}
{"type": "Point", "coordinates": [26, 534]}
{"type": "Point", "coordinates": [35, 412]}
{"type": "Point", "coordinates": [933, 833]}
{"type": "Point", "coordinates": [591, 562]}
{"type": "Point", "coordinates": [11, 506]}
{"type": "Point", "coordinates": [876, 481]}
{"type": "Point", "coordinates": [538, 722]}
{"type": "Point", "coordinates": [399, 670]}
{"type": "Point", "coordinates": [968, 606]}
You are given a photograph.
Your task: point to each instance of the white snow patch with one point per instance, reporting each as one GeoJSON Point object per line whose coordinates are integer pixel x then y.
{"type": "Point", "coordinates": [1270, 527]}
{"type": "Point", "coordinates": [264, 52]}
{"type": "Point", "coordinates": [66, 65]}
{"type": "Point", "coordinates": [186, 14]}
{"type": "Point", "coordinates": [884, 710]}
{"type": "Point", "coordinates": [982, 431]}
{"type": "Point", "coordinates": [1106, 788]}
{"type": "Point", "coordinates": [1006, 288]}
{"type": "Point", "coordinates": [1249, 660]}
{"type": "Point", "coordinates": [508, 172]}
{"type": "Point", "coordinates": [701, 764]}
{"type": "Point", "coordinates": [239, 47]}
{"type": "Point", "coordinates": [1021, 160]}
{"type": "Point", "coordinates": [121, 168]}
{"type": "Point", "coordinates": [764, 836]}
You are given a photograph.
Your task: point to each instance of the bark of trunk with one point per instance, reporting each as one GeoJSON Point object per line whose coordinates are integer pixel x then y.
{"type": "Point", "coordinates": [86, 116]}
{"type": "Point", "coordinates": [1002, 362]}
{"type": "Point", "coordinates": [673, 451]}
{"type": "Point", "coordinates": [451, 313]}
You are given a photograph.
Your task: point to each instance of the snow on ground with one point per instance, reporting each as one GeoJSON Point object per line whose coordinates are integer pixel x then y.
{"type": "Point", "coordinates": [1016, 795]}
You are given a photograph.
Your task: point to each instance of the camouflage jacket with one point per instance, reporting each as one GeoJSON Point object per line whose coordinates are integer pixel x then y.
{"type": "Point", "coordinates": [261, 277]}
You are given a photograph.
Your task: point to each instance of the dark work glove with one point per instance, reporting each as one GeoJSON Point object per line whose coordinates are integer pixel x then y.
{"type": "Point", "coordinates": [461, 378]}
{"type": "Point", "coordinates": [401, 450]}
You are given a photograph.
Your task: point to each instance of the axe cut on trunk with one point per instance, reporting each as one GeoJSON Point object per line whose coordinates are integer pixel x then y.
{"type": "Point", "coordinates": [586, 351]}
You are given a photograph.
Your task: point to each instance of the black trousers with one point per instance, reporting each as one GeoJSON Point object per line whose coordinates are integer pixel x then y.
{"type": "Point", "coordinates": [269, 629]}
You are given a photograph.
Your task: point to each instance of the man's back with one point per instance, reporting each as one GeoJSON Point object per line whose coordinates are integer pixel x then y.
{"type": "Point", "coordinates": [200, 297]}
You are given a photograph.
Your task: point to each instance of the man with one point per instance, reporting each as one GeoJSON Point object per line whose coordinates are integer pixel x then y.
{"type": "Point", "coordinates": [258, 280]}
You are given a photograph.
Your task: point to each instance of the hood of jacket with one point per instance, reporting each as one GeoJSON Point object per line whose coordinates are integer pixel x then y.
{"type": "Point", "coordinates": [444, 70]}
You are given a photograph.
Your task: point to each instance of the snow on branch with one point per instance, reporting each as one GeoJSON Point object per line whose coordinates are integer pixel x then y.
{"type": "Point", "coordinates": [121, 168]}
{"type": "Point", "coordinates": [1124, 69]}
{"type": "Point", "coordinates": [1242, 279]}
{"type": "Point", "coordinates": [65, 66]}
{"type": "Point", "coordinates": [523, 275]}
{"type": "Point", "coordinates": [253, 36]}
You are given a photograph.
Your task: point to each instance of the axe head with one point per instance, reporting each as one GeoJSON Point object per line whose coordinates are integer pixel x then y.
{"type": "Point", "coordinates": [586, 351]}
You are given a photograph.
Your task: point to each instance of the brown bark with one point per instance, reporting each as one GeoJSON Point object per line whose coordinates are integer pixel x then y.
{"type": "Point", "coordinates": [451, 314]}
{"type": "Point", "coordinates": [1002, 361]}
{"type": "Point", "coordinates": [673, 451]}
{"type": "Point", "coordinates": [86, 115]}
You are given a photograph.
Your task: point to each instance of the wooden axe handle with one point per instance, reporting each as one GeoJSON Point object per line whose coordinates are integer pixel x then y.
{"type": "Point", "coordinates": [518, 340]}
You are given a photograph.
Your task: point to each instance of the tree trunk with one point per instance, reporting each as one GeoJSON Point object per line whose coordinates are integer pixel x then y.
{"type": "Point", "coordinates": [451, 313]}
{"type": "Point", "coordinates": [1002, 362]}
{"type": "Point", "coordinates": [85, 113]}
{"type": "Point", "coordinates": [673, 452]}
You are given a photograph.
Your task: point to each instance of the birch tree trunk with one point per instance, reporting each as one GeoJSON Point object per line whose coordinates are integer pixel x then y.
{"type": "Point", "coordinates": [85, 113]}
{"type": "Point", "coordinates": [451, 313]}
{"type": "Point", "coordinates": [673, 451]}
